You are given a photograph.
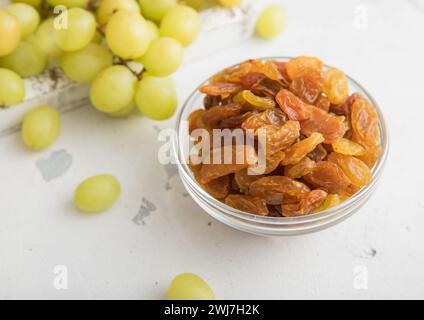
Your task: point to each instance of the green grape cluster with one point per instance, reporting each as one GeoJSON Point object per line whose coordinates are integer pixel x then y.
{"type": "Point", "coordinates": [109, 44]}
{"type": "Point", "coordinates": [125, 50]}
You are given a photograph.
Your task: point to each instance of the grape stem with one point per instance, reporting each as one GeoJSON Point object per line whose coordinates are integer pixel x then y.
{"type": "Point", "coordinates": [122, 62]}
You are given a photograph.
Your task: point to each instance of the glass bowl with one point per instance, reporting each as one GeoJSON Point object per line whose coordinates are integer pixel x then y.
{"type": "Point", "coordinates": [272, 226]}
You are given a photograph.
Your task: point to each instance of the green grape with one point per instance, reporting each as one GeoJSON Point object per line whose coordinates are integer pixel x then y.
{"type": "Point", "coordinates": [113, 89]}
{"type": "Point", "coordinates": [68, 3]}
{"type": "Point", "coordinates": [27, 16]}
{"type": "Point", "coordinates": [108, 7]}
{"type": "Point", "coordinates": [12, 88]}
{"type": "Point", "coordinates": [124, 112]}
{"type": "Point", "coordinates": [127, 35]}
{"type": "Point", "coordinates": [44, 38]}
{"type": "Point", "coordinates": [153, 29]}
{"type": "Point", "coordinates": [27, 60]}
{"type": "Point", "coordinates": [181, 23]}
{"type": "Point", "coordinates": [188, 286]}
{"type": "Point", "coordinates": [10, 31]}
{"type": "Point", "coordinates": [156, 9]}
{"type": "Point", "coordinates": [229, 3]}
{"type": "Point", "coordinates": [80, 29]}
{"type": "Point", "coordinates": [82, 66]}
{"type": "Point", "coordinates": [97, 194]}
{"type": "Point", "coordinates": [34, 3]}
{"type": "Point", "coordinates": [164, 57]}
{"type": "Point", "coordinates": [40, 127]}
{"type": "Point", "coordinates": [156, 98]}
{"type": "Point", "coordinates": [271, 21]}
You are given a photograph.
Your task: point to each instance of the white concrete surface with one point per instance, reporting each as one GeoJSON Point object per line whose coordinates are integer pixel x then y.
{"type": "Point", "coordinates": [377, 253]}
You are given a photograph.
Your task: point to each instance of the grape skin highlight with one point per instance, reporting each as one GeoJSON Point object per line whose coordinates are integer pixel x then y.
{"type": "Point", "coordinates": [113, 89]}
{"type": "Point", "coordinates": [127, 35]}
{"type": "Point", "coordinates": [44, 38]}
{"type": "Point", "coordinates": [10, 31]}
{"type": "Point", "coordinates": [181, 23]}
{"type": "Point", "coordinates": [12, 88]}
{"type": "Point", "coordinates": [27, 16]}
{"type": "Point", "coordinates": [80, 31]}
{"type": "Point", "coordinates": [40, 127]}
{"type": "Point", "coordinates": [164, 57]}
{"type": "Point", "coordinates": [82, 66]}
{"type": "Point", "coordinates": [153, 29]}
{"type": "Point", "coordinates": [97, 194]}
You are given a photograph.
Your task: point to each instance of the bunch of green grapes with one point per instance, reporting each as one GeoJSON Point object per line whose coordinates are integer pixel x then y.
{"type": "Point", "coordinates": [124, 49]}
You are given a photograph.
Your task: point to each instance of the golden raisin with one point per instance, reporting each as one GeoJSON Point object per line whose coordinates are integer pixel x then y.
{"type": "Point", "coordinates": [336, 86]}
{"type": "Point", "coordinates": [358, 172]}
{"type": "Point", "coordinates": [299, 150]}
{"type": "Point", "coordinates": [331, 201]}
{"type": "Point", "coordinates": [300, 169]}
{"type": "Point", "coordinates": [330, 177]}
{"type": "Point", "coordinates": [300, 66]}
{"type": "Point", "coordinates": [274, 188]}
{"type": "Point", "coordinates": [348, 147]}
{"type": "Point", "coordinates": [221, 88]}
{"type": "Point", "coordinates": [308, 204]}
{"type": "Point", "coordinates": [308, 87]}
{"type": "Point", "coordinates": [218, 188]}
{"type": "Point", "coordinates": [254, 205]}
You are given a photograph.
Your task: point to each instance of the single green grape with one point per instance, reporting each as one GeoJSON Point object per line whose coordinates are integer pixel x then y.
{"type": "Point", "coordinates": [80, 29]}
{"type": "Point", "coordinates": [44, 38]}
{"type": "Point", "coordinates": [156, 9]}
{"type": "Point", "coordinates": [181, 23]}
{"type": "Point", "coordinates": [27, 60]}
{"type": "Point", "coordinates": [153, 29]}
{"type": "Point", "coordinates": [127, 35]}
{"type": "Point", "coordinates": [188, 286]}
{"type": "Point", "coordinates": [69, 3]}
{"type": "Point", "coordinates": [108, 7]}
{"type": "Point", "coordinates": [113, 89]}
{"type": "Point", "coordinates": [97, 194]}
{"type": "Point", "coordinates": [271, 21]}
{"type": "Point", "coordinates": [156, 98]}
{"type": "Point", "coordinates": [40, 127]}
{"type": "Point", "coordinates": [34, 3]}
{"type": "Point", "coordinates": [10, 31]}
{"type": "Point", "coordinates": [82, 66]}
{"type": "Point", "coordinates": [27, 16]}
{"type": "Point", "coordinates": [12, 88]}
{"type": "Point", "coordinates": [164, 57]}
{"type": "Point", "coordinates": [229, 3]}
{"type": "Point", "coordinates": [124, 112]}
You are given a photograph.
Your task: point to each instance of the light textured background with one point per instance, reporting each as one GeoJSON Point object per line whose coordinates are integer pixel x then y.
{"type": "Point", "coordinates": [109, 256]}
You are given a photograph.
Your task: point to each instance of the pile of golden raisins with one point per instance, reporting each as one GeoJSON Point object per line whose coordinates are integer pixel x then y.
{"type": "Point", "coordinates": [321, 142]}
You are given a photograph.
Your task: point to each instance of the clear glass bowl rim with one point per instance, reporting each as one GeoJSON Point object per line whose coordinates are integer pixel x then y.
{"type": "Point", "coordinates": [329, 213]}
